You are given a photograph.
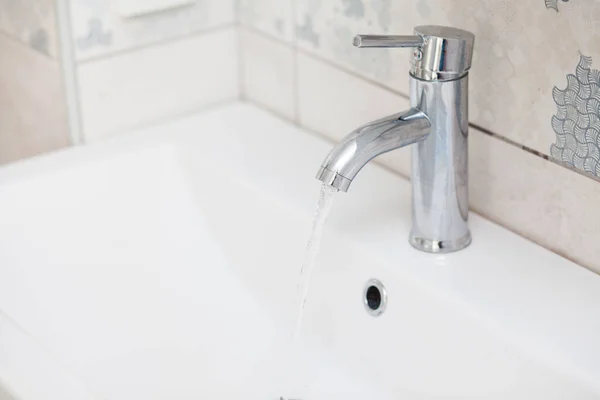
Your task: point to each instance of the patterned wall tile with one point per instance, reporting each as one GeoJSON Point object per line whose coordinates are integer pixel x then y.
{"type": "Point", "coordinates": [32, 22]}
{"type": "Point", "coordinates": [523, 49]}
{"type": "Point", "coordinates": [577, 120]}
{"type": "Point", "coordinates": [273, 17]}
{"type": "Point", "coordinates": [553, 4]}
{"type": "Point", "coordinates": [33, 111]}
{"type": "Point", "coordinates": [97, 29]}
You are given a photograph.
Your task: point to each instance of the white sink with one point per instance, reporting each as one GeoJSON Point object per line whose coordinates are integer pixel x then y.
{"type": "Point", "coordinates": [163, 265]}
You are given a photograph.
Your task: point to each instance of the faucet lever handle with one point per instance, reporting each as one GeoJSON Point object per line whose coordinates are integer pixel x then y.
{"type": "Point", "coordinates": [388, 41]}
{"type": "Point", "coordinates": [441, 53]}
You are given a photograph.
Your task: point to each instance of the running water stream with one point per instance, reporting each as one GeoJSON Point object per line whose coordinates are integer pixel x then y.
{"type": "Point", "coordinates": [312, 249]}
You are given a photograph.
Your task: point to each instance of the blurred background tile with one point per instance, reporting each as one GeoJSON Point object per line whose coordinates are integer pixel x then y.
{"type": "Point", "coordinates": [33, 111]}
{"type": "Point", "coordinates": [272, 17]}
{"type": "Point", "coordinates": [98, 28]}
{"type": "Point", "coordinates": [33, 22]}
{"type": "Point", "coordinates": [268, 72]}
{"type": "Point", "coordinates": [151, 84]}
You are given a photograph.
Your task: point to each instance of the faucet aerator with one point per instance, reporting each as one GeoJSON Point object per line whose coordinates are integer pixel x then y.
{"type": "Point", "coordinates": [333, 179]}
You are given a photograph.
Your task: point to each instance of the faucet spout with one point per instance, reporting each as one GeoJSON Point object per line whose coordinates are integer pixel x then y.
{"type": "Point", "coordinates": [367, 142]}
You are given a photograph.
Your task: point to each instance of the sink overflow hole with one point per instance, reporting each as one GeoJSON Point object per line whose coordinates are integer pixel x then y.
{"type": "Point", "coordinates": [375, 297]}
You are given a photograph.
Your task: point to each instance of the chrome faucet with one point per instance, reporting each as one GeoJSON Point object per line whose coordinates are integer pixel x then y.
{"type": "Point", "coordinates": [437, 123]}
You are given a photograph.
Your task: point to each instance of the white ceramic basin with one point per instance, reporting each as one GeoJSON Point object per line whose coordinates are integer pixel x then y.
{"type": "Point", "coordinates": [163, 265]}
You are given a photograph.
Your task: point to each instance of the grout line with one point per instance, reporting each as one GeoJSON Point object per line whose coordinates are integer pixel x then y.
{"type": "Point", "coordinates": [295, 82]}
{"type": "Point", "coordinates": [371, 81]}
{"type": "Point", "coordinates": [66, 54]}
{"type": "Point", "coordinates": [158, 43]}
{"type": "Point", "coordinates": [241, 62]}
{"type": "Point", "coordinates": [265, 35]}
{"type": "Point", "coordinates": [240, 51]}
{"type": "Point", "coordinates": [509, 141]}
{"type": "Point", "coordinates": [296, 89]}
{"type": "Point", "coordinates": [533, 151]}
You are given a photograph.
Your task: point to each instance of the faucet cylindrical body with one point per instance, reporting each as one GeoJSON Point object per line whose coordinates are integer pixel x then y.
{"type": "Point", "coordinates": [440, 196]}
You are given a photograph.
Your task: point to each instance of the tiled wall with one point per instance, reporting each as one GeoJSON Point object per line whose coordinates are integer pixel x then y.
{"type": "Point", "coordinates": [142, 69]}
{"type": "Point", "coordinates": [118, 71]}
{"type": "Point", "coordinates": [33, 111]}
{"type": "Point", "coordinates": [534, 98]}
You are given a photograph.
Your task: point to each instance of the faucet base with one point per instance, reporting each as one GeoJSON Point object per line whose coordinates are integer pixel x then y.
{"type": "Point", "coordinates": [435, 246]}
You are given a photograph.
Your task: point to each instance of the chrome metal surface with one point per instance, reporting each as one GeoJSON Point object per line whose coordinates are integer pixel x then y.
{"type": "Point", "coordinates": [379, 286]}
{"type": "Point", "coordinates": [438, 125]}
{"type": "Point", "coordinates": [440, 167]}
{"type": "Point", "coordinates": [387, 41]}
{"type": "Point", "coordinates": [370, 140]}
{"type": "Point", "coordinates": [441, 53]}
{"type": "Point", "coordinates": [446, 54]}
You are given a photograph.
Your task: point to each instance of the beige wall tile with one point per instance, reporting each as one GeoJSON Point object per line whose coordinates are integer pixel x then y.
{"type": "Point", "coordinates": [98, 29]}
{"type": "Point", "coordinates": [33, 113]}
{"type": "Point", "coordinates": [538, 199]}
{"type": "Point", "coordinates": [268, 73]}
{"type": "Point", "coordinates": [272, 17]}
{"type": "Point", "coordinates": [147, 85]}
{"type": "Point", "coordinates": [543, 201]}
